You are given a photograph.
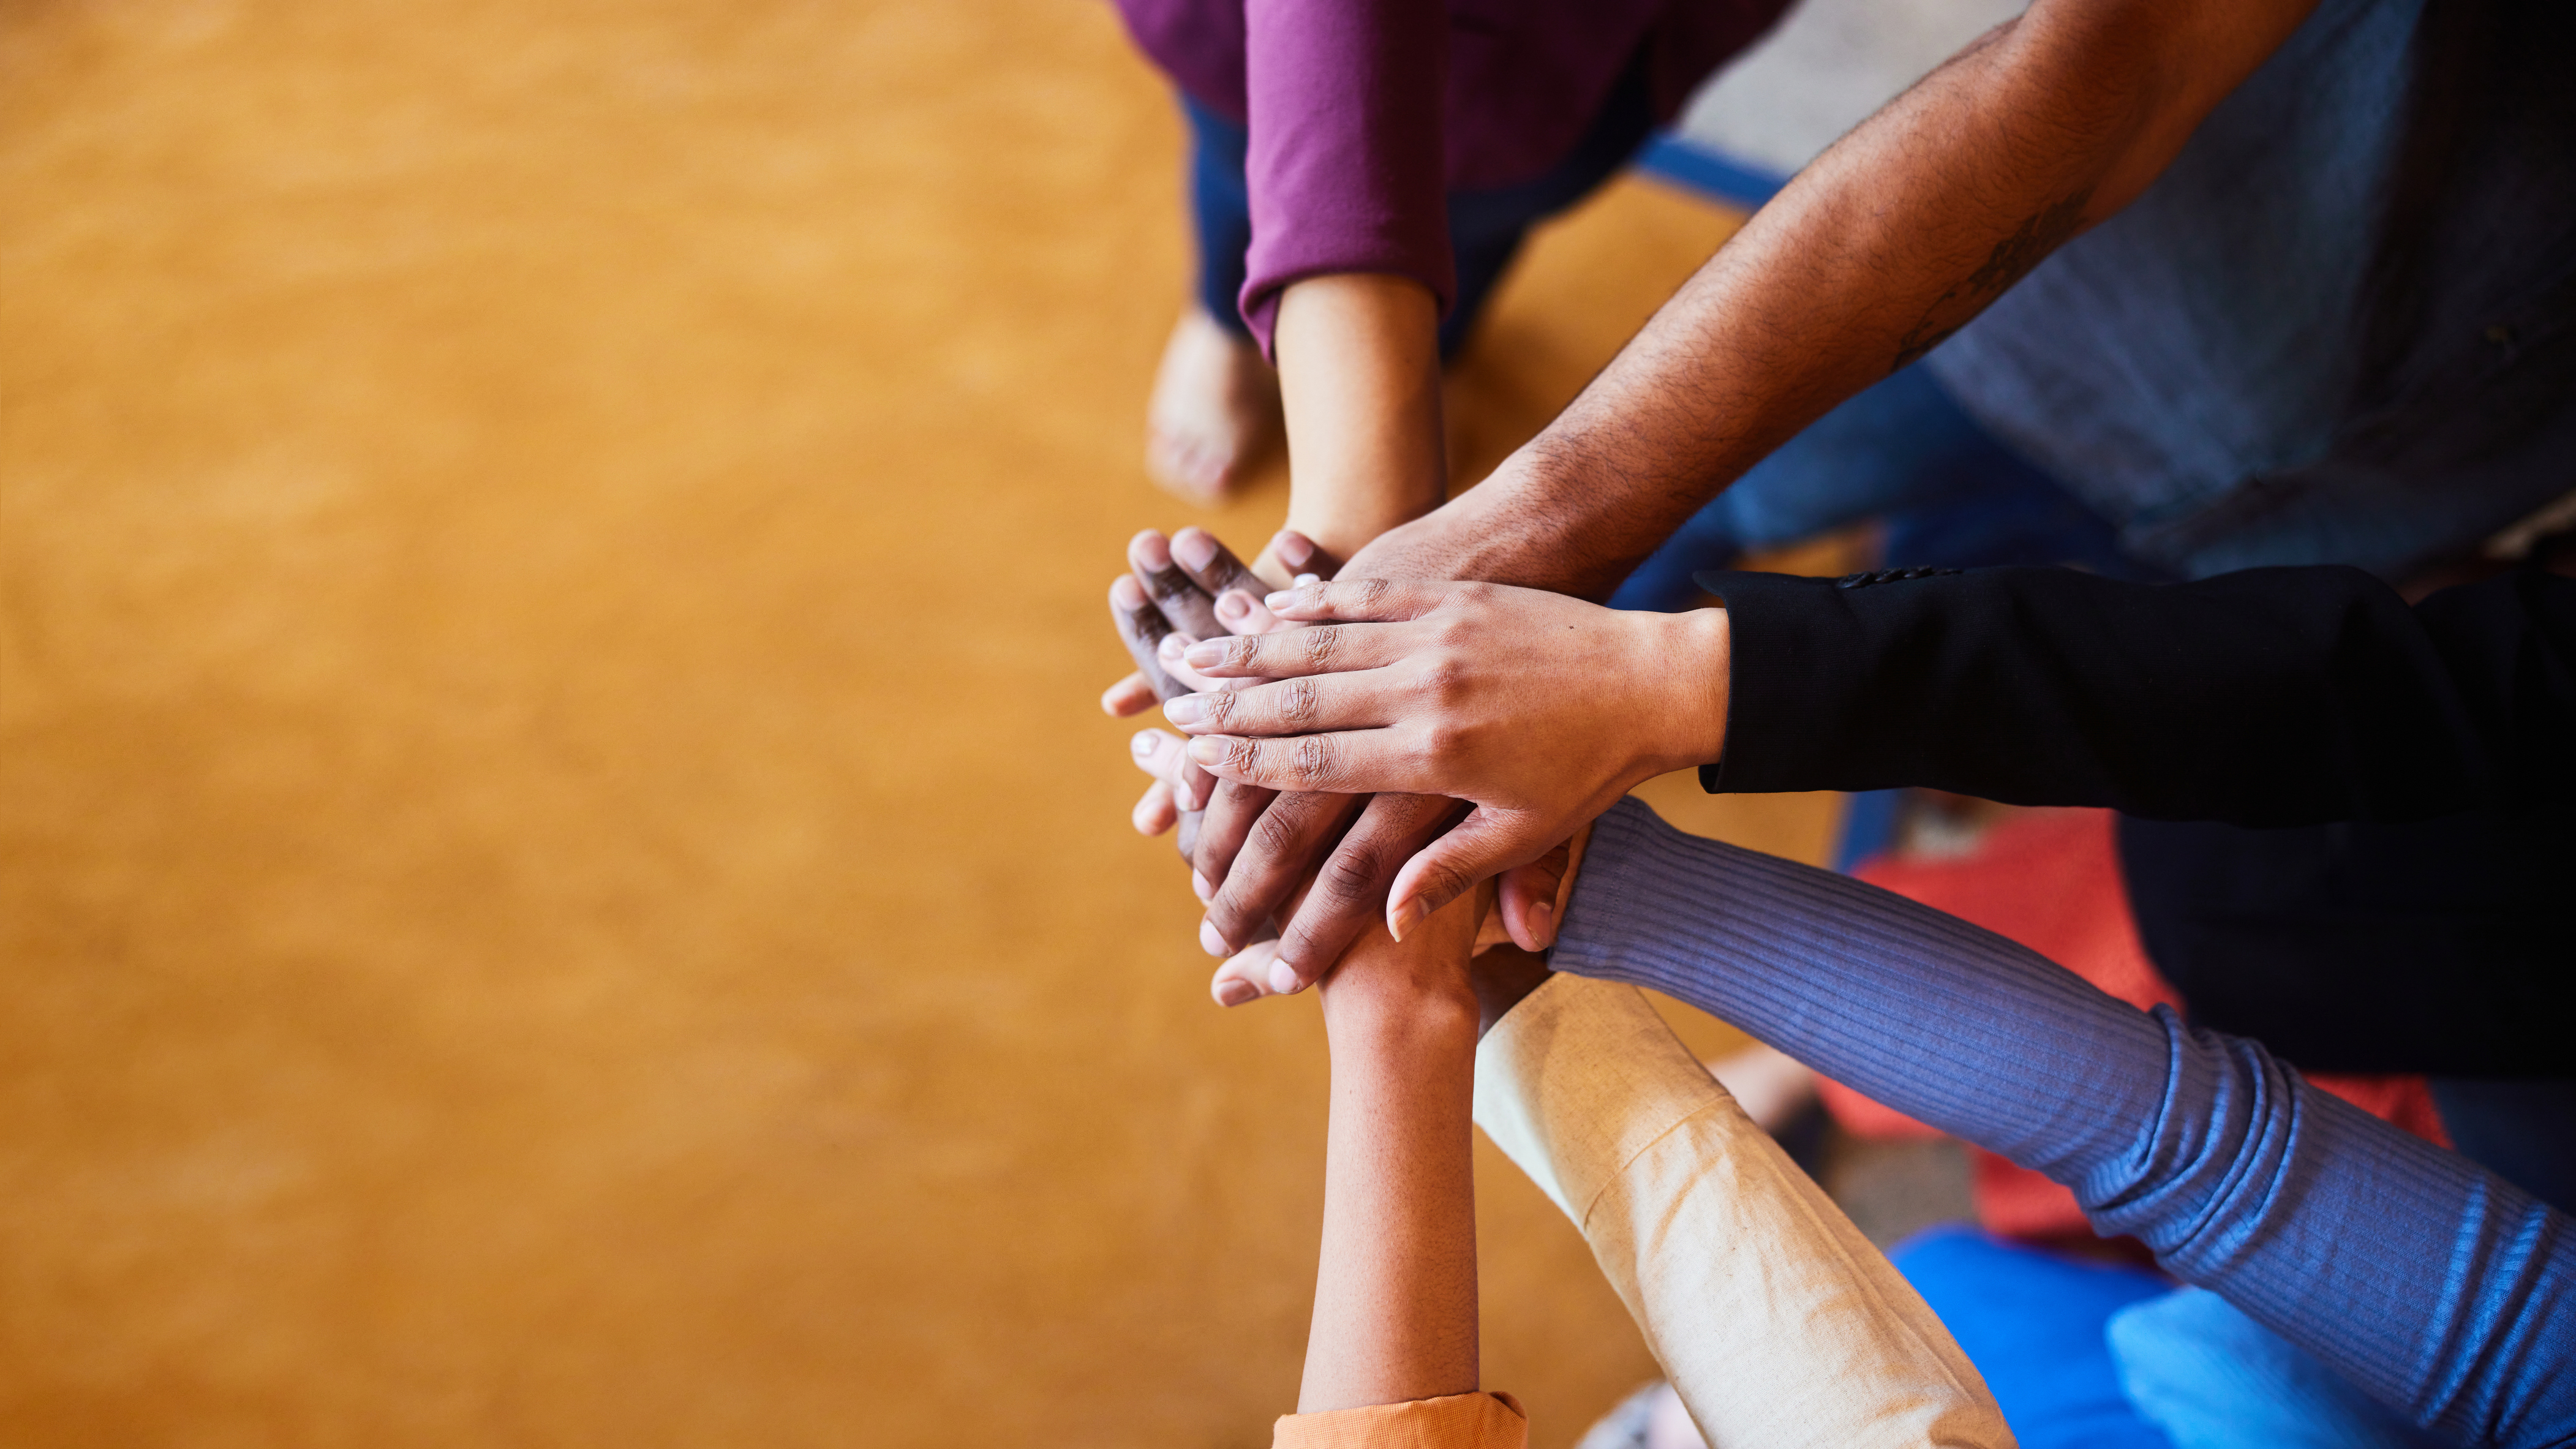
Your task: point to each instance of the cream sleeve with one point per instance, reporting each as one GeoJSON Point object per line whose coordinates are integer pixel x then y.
{"type": "Point", "coordinates": [1460, 1421]}
{"type": "Point", "coordinates": [1775, 1319]}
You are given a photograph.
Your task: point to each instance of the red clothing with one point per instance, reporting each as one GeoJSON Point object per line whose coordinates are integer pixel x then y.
{"type": "Point", "coordinates": [1363, 114]}
{"type": "Point", "coordinates": [2051, 881]}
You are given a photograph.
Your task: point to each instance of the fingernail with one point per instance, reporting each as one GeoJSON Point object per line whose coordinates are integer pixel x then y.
{"type": "Point", "coordinates": [1302, 580]}
{"type": "Point", "coordinates": [1283, 978]}
{"type": "Point", "coordinates": [1233, 605]}
{"type": "Point", "coordinates": [1408, 916]}
{"type": "Point", "coordinates": [1237, 991]}
{"type": "Point", "coordinates": [1209, 654]}
{"type": "Point", "coordinates": [1542, 921]}
{"type": "Point", "coordinates": [1209, 750]}
{"type": "Point", "coordinates": [1187, 709]}
{"type": "Point", "coordinates": [1274, 602]}
{"type": "Point", "coordinates": [1170, 646]}
{"type": "Point", "coordinates": [1184, 799]}
{"type": "Point", "coordinates": [1153, 552]}
{"type": "Point", "coordinates": [1206, 890]}
{"type": "Point", "coordinates": [1294, 548]}
{"type": "Point", "coordinates": [1143, 744]}
{"type": "Point", "coordinates": [1194, 549]}
{"type": "Point", "coordinates": [1127, 593]}
{"type": "Point", "coordinates": [1211, 942]}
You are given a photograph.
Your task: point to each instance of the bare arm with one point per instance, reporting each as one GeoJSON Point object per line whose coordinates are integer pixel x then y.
{"type": "Point", "coordinates": [1395, 1295]}
{"type": "Point", "coordinates": [1359, 380]}
{"type": "Point", "coordinates": [1894, 238]}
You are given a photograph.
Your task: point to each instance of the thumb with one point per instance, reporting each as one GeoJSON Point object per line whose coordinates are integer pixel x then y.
{"type": "Point", "coordinates": [1473, 849]}
{"type": "Point", "coordinates": [1527, 900]}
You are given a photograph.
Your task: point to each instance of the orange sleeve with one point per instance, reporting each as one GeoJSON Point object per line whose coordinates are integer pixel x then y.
{"type": "Point", "coordinates": [1460, 1421]}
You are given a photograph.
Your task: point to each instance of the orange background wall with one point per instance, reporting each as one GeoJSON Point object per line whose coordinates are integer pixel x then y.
{"type": "Point", "coordinates": [560, 881]}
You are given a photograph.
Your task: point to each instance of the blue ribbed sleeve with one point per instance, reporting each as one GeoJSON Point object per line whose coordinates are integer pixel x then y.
{"type": "Point", "coordinates": [2431, 1284]}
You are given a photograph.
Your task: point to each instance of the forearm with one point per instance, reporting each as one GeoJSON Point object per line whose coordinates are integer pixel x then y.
{"type": "Point", "coordinates": [2264, 698]}
{"type": "Point", "coordinates": [1395, 1292]}
{"type": "Point", "coordinates": [1896, 236]}
{"type": "Point", "coordinates": [2441, 1290]}
{"type": "Point", "coordinates": [1359, 380]}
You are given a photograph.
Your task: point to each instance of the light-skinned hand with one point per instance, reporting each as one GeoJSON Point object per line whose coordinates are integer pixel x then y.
{"type": "Point", "coordinates": [1539, 709]}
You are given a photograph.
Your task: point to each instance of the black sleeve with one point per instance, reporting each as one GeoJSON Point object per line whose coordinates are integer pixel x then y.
{"type": "Point", "coordinates": [2283, 696]}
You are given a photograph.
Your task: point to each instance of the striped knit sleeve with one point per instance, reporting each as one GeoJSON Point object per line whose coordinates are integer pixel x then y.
{"type": "Point", "coordinates": [2431, 1284]}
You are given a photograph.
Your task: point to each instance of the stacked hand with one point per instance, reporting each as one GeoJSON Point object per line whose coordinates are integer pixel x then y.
{"type": "Point", "coordinates": [1333, 761]}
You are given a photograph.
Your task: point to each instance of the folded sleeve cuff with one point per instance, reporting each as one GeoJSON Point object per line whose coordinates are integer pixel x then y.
{"type": "Point", "coordinates": [1579, 1079]}
{"type": "Point", "coordinates": [1343, 161]}
{"type": "Point", "coordinates": [1458, 1421]}
{"type": "Point", "coordinates": [1796, 676]}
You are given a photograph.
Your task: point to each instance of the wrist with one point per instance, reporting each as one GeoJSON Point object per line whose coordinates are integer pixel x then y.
{"type": "Point", "coordinates": [1399, 1021]}
{"type": "Point", "coordinates": [1342, 518]}
{"type": "Point", "coordinates": [1691, 662]}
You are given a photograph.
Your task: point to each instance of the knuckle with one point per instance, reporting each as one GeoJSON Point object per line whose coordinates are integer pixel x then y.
{"type": "Point", "coordinates": [1438, 744]}
{"type": "Point", "coordinates": [1369, 594]}
{"type": "Point", "coordinates": [1242, 651]}
{"type": "Point", "coordinates": [1443, 882]}
{"type": "Point", "coordinates": [1251, 758]}
{"type": "Point", "coordinates": [1275, 834]}
{"type": "Point", "coordinates": [1170, 585]}
{"type": "Point", "coordinates": [1318, 646]}
{"type": "Point", "coordinates": [1299, 702]}
{"type": "Point", "coordinates": [1312, 761]}
{"type": "Point", "coordinates": [1350, 875]}
{"type": "Point", "coordinates": [1442, 680]}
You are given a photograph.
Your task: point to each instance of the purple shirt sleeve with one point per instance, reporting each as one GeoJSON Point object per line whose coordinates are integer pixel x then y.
{"type": "Point", "coordinates": [2429, 1283]}
{"type": "Point", "coordinates": [1343, 106]}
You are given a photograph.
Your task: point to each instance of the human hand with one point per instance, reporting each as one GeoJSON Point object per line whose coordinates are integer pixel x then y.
{"type": "Point", "coordinates": [1526, 905]}
{"type": "Point", "coordinates": [1210, 591]}
{"type": "Point", "coordinates": [1193, 582]}
{"type": "Point", "coordinates": [1540, 709]}
{"type": "Point", "coordinates": [1162, 605]}
{"type": "Point", "coordinates": [1253, 850]}
{"type": "Point", "coordinates": [1504, 970]}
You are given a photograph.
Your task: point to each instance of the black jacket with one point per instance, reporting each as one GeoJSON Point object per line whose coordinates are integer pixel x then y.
{"type": "Point", "coordinates": [2346, 819]}
{"type": "Point", "coordinates": [2286, 696]}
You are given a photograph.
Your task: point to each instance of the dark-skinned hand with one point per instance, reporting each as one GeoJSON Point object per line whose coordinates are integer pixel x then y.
{"type": "Point", "coordinates": [1320, 862]}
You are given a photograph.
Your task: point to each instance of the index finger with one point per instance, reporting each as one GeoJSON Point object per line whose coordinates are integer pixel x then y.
{"type": "Point", "coordinates": [1360, 601]}
{"type": "Point", "coordinates": [1293, 653]}
{"type": "Point", "coordinates": [1190, 609]}
{"type": "Point", "coordinates": [1141, 628]}
{"type": "Point", "coordinates": [1213, 566]}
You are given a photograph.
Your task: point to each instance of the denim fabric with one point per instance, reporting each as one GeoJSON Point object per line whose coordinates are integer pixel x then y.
{"type": "Point", "coordinates": [2191, 367]}
{"type": "Point", "coordinates": [2212, 1378]}
{"type": "Point", "coordinates": [1486, 226]}
{"type": "Point", "coordinates": [1952, 495]}
{"type": "Point", "coordinates": [2032, 1322]}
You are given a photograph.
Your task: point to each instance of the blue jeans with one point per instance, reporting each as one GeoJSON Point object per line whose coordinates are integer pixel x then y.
{"type": "Point", "coordinates": [1903, 451]}
{"type": "Point", "coordinates": [1486, 226]}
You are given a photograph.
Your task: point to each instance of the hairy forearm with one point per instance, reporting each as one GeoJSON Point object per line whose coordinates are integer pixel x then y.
{"type": "Point", "coordinates": [1359, 381]}
{"type": "Point", "coordinates": [1895, 237]}
{"type": "Point", "coordinates": [1395, 1293]}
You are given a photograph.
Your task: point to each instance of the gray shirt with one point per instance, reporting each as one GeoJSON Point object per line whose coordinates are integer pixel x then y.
{"type": "Point", "coordinates": [2201, 346]}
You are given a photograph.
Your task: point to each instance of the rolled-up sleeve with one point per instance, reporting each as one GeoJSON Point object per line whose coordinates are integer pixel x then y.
{"type": "Point", "coordinates": [1458, 1421]}
{"type": "Point", "coordinates": [1778, 1323]}
{"type": "Point", "coordinates": [1345, 167]}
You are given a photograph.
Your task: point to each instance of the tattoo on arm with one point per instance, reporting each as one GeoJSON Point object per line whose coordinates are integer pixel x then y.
{"type": "Point", "coordinates": [2009, 262]}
